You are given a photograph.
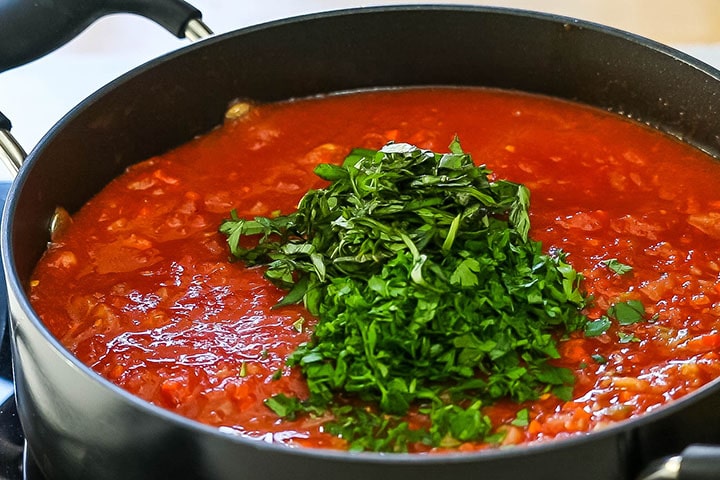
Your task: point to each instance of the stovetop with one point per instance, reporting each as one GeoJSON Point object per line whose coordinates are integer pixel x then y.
{"type": "Point", "coordinates": [14, 463]}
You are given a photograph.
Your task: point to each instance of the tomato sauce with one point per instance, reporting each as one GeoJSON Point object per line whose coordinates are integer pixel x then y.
{"type": "Point", "coordinates": [140, 287]}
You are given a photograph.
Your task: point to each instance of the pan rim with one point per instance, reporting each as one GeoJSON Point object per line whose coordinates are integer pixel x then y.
{"type": "Point", "coordinates": [17, 292]}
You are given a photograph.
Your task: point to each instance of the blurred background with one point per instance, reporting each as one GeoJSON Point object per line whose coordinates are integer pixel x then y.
{"type": "Point", "coordinates": [37, 95]}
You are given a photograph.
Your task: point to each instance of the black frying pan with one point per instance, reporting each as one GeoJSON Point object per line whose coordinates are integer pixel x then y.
{"type": "Point", "coordinates": [80, 426]}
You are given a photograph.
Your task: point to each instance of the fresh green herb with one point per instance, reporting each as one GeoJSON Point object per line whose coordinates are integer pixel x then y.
{"type": "Point", "coordinates": [298, 324]}
{"type": "Point", "coordinates": [522, 419]}
{"type": "Point", "coordinates": [627, 313]}
{"type": "Point", "coordinates": [428, 292]}
{"type": "Point", "coordinates": [284, 406]}
{"type": "Point", "coordinates": [624, 337]}
{"type": "Point", "coordinates": [598, 358]}
{"type": "Point", "coordinates": [597, 327]}
{"type": "Point", "coordinates": [365, 429]}
{"type": "Point", "coordinates": [615, 266]}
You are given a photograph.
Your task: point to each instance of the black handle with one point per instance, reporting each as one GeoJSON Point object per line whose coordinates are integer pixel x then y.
{"type": "Point", "coordinates": [700, 462]}
{"type": "Point", "coordinates": [4, 123]}
{"type": "Point", "coordinates": [30, 29]}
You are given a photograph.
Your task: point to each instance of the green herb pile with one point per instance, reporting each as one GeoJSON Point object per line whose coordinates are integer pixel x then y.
{"type": "Point", "coordinates": [429, 296]}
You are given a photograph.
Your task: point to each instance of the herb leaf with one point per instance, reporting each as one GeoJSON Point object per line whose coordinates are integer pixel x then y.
{"type": "Point", "coordinates": [598, 358]}
{"type": "Point", "coordinates": [627, 313]}
{"type": "Point", "coordinates": [597, 327]}
{"type": "Point", "coordinates": [615, 266]}
{"type": "Point", "coordinates": [624, 337]}
{"type": "Point", "coordinates": [522, 418]}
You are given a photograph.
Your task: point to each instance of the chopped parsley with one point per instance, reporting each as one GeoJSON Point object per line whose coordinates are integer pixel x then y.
{"type": "Point", "coordinates": [617, 267]}
{"type": "Point", "coordinates": [430, 296]}
{"type": "Point", "coordinates": [627, 313]}
{"type": "Point", "coordinates": [598, 358]}
{"type": "Point", "coordinates": [522, 418]}
{"type": "Point", "coordinates": [597, 327]}
{"type": "Point", "coordinates": [298, 324]}
{"type": "Point", "coordinates": [624, 337]}
{"type": "Point", "coordinates": [624, 313]}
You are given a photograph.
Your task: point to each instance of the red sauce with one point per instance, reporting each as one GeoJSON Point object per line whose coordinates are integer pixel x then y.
{"type": "Point", "coordinates": [140, 287]}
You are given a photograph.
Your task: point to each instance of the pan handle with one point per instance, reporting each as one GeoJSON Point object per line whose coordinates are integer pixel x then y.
{"type": "Point", "coordinates": [54, 22]}
{"type": "Point", "coordinates": [29, 30]}
{"type": "Point", "coordinates": [12, 154]}
{"type": "Point", "coordinates": [696, 462]}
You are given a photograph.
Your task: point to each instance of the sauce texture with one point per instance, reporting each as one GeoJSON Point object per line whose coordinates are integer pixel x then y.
{"type": "Point", "coordinates": [140, 287]}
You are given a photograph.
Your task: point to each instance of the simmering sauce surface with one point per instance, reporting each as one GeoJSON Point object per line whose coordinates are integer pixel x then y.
{"type": "Point", "coordinates": [140, 287]}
